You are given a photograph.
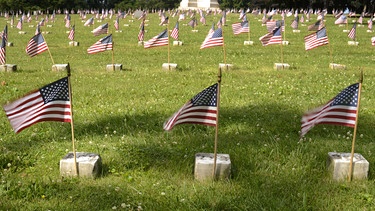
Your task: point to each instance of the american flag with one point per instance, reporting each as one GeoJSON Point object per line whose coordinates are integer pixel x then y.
{"type": "Point", "coordinates": [67, 21]}
{"type": "Point", "coordinates": [19, 24]}
{"type": "Point", "coordinates": [273, 37]}
{"type": "Point", "coordinates": [302, 19]}
{"type": "Point", "coordinates": [270, 25]}
{"type": "Point", "coordinates": [316, 26]}
{"type": "Point", "coordinates": [316, 39]}
{"type": "Point", "coordinates": [36, 45]}
{"type": "Point", "coordinates": [89, 22]}
{"type": "Point", "coordinates": [352, 32]}
{"type": "Point", "coordinates": [294, 24]}
{"type": "Point", "coordinates": [50, 103]}
{"type": "Point", "coordinates": [341, 110]}
{"type": "Point", "coordinates": [201, 109]}
{"type": "Point", "coordinates": [164, 20]}
{"type": "Point", "coordinates": [360, 19]}
{"type": "Point", "coordinates": [193, 23]}
{"type": "Point", "coordinates": [216, 39]}
{"type": "Point", "coordinates": [102, 29]}
{"type": "Point", "coordinates": [373, 41]}
{"type": "Point", "coordinates": [141, 34]}
{"type": "Point", "coordinates": [116, 25]}
{"type": "Point", "coordinates": [5, 33]}
{"type": "Point", "coordinates": [2, 48]}
{"type": "Point", "coordinates": [174, 33]}
{"type": "Point", "coordinates": [341, 20]}
{"type": "Point", "coordinates": [369, 26]}
{"type": "Point", "coordinates": [101, 45]}
{"type": "Point", "coordinates": [72, 32]}
{"type": "Point", "coordinates": [159, 40]}
{"type": "Point", "coordinates": [242, 27]}
{"type": "Point", "coordinates": [37, 29]}
{"type": "Point", "coordinates": [42, 22]}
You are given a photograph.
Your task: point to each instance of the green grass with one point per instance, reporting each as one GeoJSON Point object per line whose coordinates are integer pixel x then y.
{"type": "Point", "coordinates": [120, 116]}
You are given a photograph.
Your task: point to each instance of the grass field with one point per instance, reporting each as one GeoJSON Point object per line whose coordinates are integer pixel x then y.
{"type": "Point", "coordinates": [120, 116]}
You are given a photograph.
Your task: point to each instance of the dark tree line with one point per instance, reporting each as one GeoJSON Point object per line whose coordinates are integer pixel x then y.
{"type": "Point", "coordinates": [50, 5]}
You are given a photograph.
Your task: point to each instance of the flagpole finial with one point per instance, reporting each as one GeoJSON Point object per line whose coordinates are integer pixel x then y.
{"type": "Point", "coordinates": [68, 70]}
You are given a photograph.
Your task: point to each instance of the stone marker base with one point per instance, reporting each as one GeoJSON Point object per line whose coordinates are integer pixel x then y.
{"type": "Point", "coordinates": [112, 67]}
{"type": "Point", "coordinates": [248, 42]}
{"type": "Point", "coordinates": [73, 43]}
{"type": "Point", "coordinates": [8, 68]}
{"type": "Point", "coordinates": [281, 66]}
{"type": "Point", "coordinates": [177, 43]}
{"type": "Point", "coordinates": [226, 66]}
{"type": "Point", "coordinates": [140, 43]}
{"type": "Point", "coordinates": [338, 165]}
{"type": "Point", "coordinates": [21, 32]}
{"type": "Point", "coordinates": [296, 31]}
{"type": "Point", "coordinates": [345, 30]}
{"type": "Point", "coordinates": [169, 66]}
{"type": "Point", "coordinates": [10, 44]}
{"type": "Point", "coordinates": [369, 31]}
{"type": "Point", "coordinates": [337, 66]}
{"type": "Point", "coordinates": [194, 30]}
{"type": "Point", "coordinates": [285, 42]}
{"type": "Point", "coordinates": [353, 43]}
{"type": "Point", "coordinates": [60, 67]}
{"type": "Point", "coordinates": [88, 164]}
{"type": "Point", "coordinates": [204, 164]}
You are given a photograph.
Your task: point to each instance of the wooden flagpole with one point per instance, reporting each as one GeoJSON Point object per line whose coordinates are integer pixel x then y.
{"type": "Point", "coordinates": [169, 48]}
{"type": "Point", "coordinates": [224, 52]}
{"type": "Point", "coordinates": [217, 122]}
{"type": "Point", "coordinates": [355, 129]}
{"type": "Point", "coordinates": [53, 62]}
{"type": "Point", "coordinates": [71, 123]}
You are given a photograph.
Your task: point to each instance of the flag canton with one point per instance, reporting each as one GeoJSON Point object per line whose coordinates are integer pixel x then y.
{"type": "Point", "coordinates": [107, 39]}
{"type": "Point", "coordinates": [348, 96]}
{"type": "Point", "coordinates": [277, 31]}
{"type": "Point", "coordinates": [38, 38]}
{"type": "Point", "coordinates": [321, 33]}
{"type": "Point", "coordinates": [245, 24]}
{"type": "Point", "coordinates": [164, 34]}
{"type": "Point", "coordinates": [218, 33]}
{"type": "Point", "coordinates": [57, 90]}
{"type": "Point", "coordinates": [207, 97]}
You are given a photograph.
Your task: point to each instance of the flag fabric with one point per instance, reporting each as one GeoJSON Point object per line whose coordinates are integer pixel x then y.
{"type": "Point", "coordinates": [352, 32]}
{"type": "Point", "coordinates": [294, 23]}
{"type": "Point", "coordinates": [102, 29]}
{"type": "Point", "coordinates": [341, 110]}
{"type": "Point", "coordinates": [50, 103]}
{"type": "Point", "coordinates": [242, 27]}
{"type": "Point", "coordinates": [175, 31]}
{"type": "Point", "coordinates": [216, 39]}
{"type": "Point", "coordinates": [5, 33]}
{"type": "Point", "coordinates": [36, 45]}
{"type": "Point", "coordinates": [273, 37]}
{"type": "Point", "coordinates": [67, 21]}
{"type": "Point", "coordinates": [193, 23]}
{"type": "Point", "coordinates": [19, 24]}
{"type": "Point", "coordinates": [201, 109]}
{"type": "Point", "coordinates": [2, 48]}
{"type": "Point", "coordinates": [360, 19]}
{"type": "Point", "coordinates": [101, 45]}
{"type": "Point", "coordinates": [141, 33]}
{"type": "Point", "coordinates": [72, 33]}
{"type": "Point", "coordinates": [117, 23]}
{"type": "Point", "coordinates": [89, 22]}
{"type": "Point", "coordinates": [164, 20]}
{"type": "Point", "coordinates": [369, 26]}
{"type": "Point", "coordinates": [159, 40]}
{"type": "Point", "coordinates": [316, 39]}
{"type": "Point", "coordinates": [341, 20]}
{"type": "Point", "coordinates": [316, 26]}
{"type": "Point", "coordinates": [270, 25]}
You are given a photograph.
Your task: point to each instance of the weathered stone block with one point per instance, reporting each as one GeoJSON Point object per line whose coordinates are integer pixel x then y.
{"type": "Point", "coordinates": [177, 43]}
{"type": "Point", "coordinates": [285, 42]}
{"type": "Point", "coordinates": [169, 66]}
{"type": "Point", "coordinates": [60, 67]}
{"type": "Point", "coordinates": [204, 164]}
{"type": "Point", "coordinates": [353, 43]}
{"type": "Point", "coordinates": [281, 66]}
{"type": "Point", "coordinates": [338, 165]}
{"type": "Point", "coordinates": [226, 66]}
{"type": "Point", "coordinates": [8, 68]}
{"type": "Point", "coordinates": [248, 42]}
{"type": "Point", "coordinates": [88, 165]}
{"type": "Point", "coordinates": [10, 44]}
{"type": "Point", "coordinates": [73, 43]}
{"type": "Point", "coordinates": [337, 66]}
{"type": "Point", "coordinates": [112, 67]}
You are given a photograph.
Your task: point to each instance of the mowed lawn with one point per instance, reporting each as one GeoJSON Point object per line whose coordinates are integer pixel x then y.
{"type": "Point", "coordinates": [120, 115]}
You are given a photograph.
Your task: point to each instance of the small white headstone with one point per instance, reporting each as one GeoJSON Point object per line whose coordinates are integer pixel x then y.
{"type": "Point", "coordinates": [60, 67]}
{"type": "Point", "coordinates": [248, 42]}
{"type": "Point", "coordinates": [285, 42]}
{"type": "Point", "coordinates": [296, 31]}
{"type": "Point", "coordinates": [45, 32]}
{"type": "Point", "coordinates": [345, 30]}
{"type": "Point", "coordinates": [21, 32]}
{"type": "Point", "coordinates": [9, 44]}
{"type": "Point", "coordinates": [204, 164]}
{"type": "Point", "coordinates": [194, 30]}
{"type": "Point", "coordinates": [177, 43]}
{"type": "Point", "coordinates": [369, 31]}
{"type": "Point", "coordinates": [226, 66]}
{"type": "Point", "coordinates": [118, 31]}
{"type": "Point", "coordinates": [73, 43]}
{"type": "Point", "coordinates": [131, 20]}
{"type": "Point", "coordinates": [140, 43]}
{"type": "Point", "coordinates": [88, 164]}
{"type": "Point", "coordinates": [49, 26]}
{"type": "Point", "coordinates": [31, 26]}
{"type": "Point", "coordinates": [8, 68]}
{"type": "Point", "coordinates": [169, 66]}
{"type": "Point", "coordinates": [126, 25]}
{"type": "Point", "coordinates": [281, 66]}
{"type": "Point", "coordinates": [113, 67]}
{"type": "Point", "coordinates": [353, 43]}
{"type": "Point", "coordinates": [338, 165]}
{"type": "Point", "coordinates": [337, 66]}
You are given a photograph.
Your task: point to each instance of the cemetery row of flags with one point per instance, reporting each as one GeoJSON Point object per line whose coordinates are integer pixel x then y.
{"type": "Point", "coordinates": [52, 103]}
